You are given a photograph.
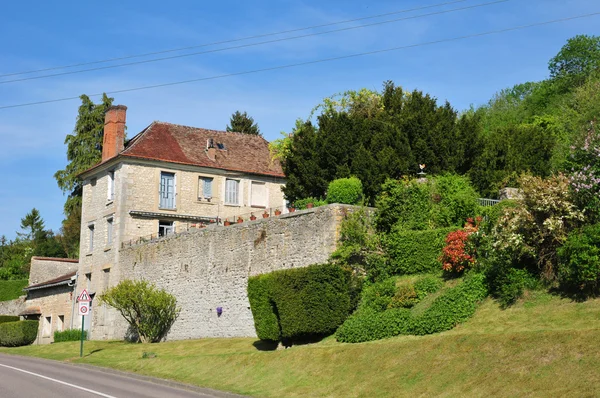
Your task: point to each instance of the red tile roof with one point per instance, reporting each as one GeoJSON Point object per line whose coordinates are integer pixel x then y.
{"type": "Point", "coordinates": [61, 280]}
{"type": "Point", "coordinates": [187, 145]}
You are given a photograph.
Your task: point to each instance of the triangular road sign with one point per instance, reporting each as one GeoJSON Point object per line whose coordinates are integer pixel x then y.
{"type": "Point", "coordinates": [84, 296]}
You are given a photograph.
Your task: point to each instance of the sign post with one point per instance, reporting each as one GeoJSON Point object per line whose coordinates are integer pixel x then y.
{"type": "Point", "coordinates": [84, 309]}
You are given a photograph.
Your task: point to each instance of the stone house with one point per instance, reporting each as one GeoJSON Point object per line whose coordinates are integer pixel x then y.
{"type": "Point", "coordinates": [50, 295]}
{"type": "Point", "coordinates": [162, 181]}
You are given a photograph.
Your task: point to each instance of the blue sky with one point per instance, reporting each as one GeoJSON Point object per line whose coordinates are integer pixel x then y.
{"type": "Point", "coordinates": [43, 35]}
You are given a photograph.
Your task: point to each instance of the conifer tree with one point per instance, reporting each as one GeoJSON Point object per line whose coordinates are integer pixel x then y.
{"type": "Point", "coordinates": [242, 123]}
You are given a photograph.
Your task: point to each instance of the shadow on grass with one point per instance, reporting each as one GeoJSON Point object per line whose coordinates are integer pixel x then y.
{"type": "Point", "coordinates": [94, 351]}
{"type": "Point", "coordinates": [274, 345]}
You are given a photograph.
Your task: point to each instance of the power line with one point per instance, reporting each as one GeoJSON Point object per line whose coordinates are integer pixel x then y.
{"type": "Point", "coordinates": [233, 40]}
{"type": "Point", "coordinates": [254, 44]}
{"type": "Point", "coordinates": [314, 61]}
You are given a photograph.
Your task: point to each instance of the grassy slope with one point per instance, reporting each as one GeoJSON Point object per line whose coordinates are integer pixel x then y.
{"type": "Point", "coordinates": [10, 290]}
{"type": "Point", "coordinates": [543, 346]}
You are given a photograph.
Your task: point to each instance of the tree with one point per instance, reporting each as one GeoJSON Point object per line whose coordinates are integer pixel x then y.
{"type": "Point", "coordinates": [576, 59]}
{"type": "Point", "coordinates": [32, 224]}
{"type": "Point", "coordinates": [242, 123]}
{"type": "Point", "coordinates": [149, 311]}
{"type": "Point", "coordinates": [84, 150]}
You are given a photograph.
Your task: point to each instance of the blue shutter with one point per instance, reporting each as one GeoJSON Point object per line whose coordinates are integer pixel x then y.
{"type": "Point", "coordinates": [167, 190]}
{"type": "Point", "coordinates": [207, 188]}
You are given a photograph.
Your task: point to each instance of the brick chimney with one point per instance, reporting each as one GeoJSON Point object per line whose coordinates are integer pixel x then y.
{"type": "Point", "coordinates": [211, 151]}
{"type": "Point", "coordinates": [114, 131]}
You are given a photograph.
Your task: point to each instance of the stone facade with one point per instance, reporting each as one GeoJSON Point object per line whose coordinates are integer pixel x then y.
{"type": "Point", "coordinates": [57, 305]}
{"type": "Point", "coordinates": [209, 268]}
{"type": "Point", "coordinates": [12, 307]}
{"type": "Point", "coordinates": [43, 269]}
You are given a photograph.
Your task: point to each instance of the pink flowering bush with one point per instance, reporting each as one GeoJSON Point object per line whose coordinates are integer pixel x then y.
{"type": "Point", "coordinates": [585, 173]}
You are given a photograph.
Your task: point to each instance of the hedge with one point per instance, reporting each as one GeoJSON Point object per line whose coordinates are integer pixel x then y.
{"type": "Point", "coordinates": [16, 334]}
{"type": "Point", "coordinates": [13, 289]}
{"type": "Point", "coordinates": [69, 335]}
{"type": "Point", "coordinates": [415, 252]}
{"type": "Point", "coordinates": [346, 191]}
{"type": "Point", "coordinates": [448, 310]}
{"type": "Point", "coordinates": [306, 302]}
{"type": "Point", "coordinates": [8, 318]}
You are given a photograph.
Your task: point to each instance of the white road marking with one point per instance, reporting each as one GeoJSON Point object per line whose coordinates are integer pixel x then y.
{"type": "Point", "coordinates": [59, 381]}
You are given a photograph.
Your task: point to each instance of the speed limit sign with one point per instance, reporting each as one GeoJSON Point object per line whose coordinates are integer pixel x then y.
{"type": "Point", "coordinates": [84, 308]}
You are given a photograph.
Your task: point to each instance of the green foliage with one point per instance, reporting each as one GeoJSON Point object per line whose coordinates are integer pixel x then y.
{"type": "Point", "coordinates": [263, 308]}
{"type": "Point", "coordinates": [84, 149]}
{"type": "Point", "coordinates": [307, 302]}
{"type": "Point", "coordinates": [414, 252]}
{"type": "Point", "coordinates": [510, 285]}
{"type": "Point", "coordinates": [454, 200]}
{"type": "Point", "coordinates": [16, 334]}
{"type": "Point", "coordinates": [242, 123]}
{"type": "Point", "coordinates": [302, 204]}
{"type": "Point", "coordinates": [579, 261]}
{"type": "Point", "coordinates": [69, 335]}
{"type": "Point", "coordinates": [576, 59]}
{"type": "Point", "coordinates": [405, 297]}
{"type": "Point", "coordinates": [426, 285]}
{"type": "Point", "coordinates": [8, 318]}
{"type": "Point", "coordinates": [149, 311]}
{"type": "Point", "coordinates": [378, 296]}
{"type": "Point", "coordinates": [12, 289]}
{"type": "Point", "coordinates": [454, 306]}
{"type": "Point", "coordinates": [345, 190]}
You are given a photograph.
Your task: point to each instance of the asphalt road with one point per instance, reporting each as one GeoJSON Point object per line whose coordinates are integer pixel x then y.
{"type": "Point", "coordinates": [23, 377]}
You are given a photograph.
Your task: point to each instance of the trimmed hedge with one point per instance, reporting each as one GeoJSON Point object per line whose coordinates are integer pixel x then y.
{"type": "Point", "coordinates": [448, 310]}
{"type": "Point", "coordinates": [306, 302]}
{"type": "Point", "coordinates": [16, 334]}
{"type": "Point", "coordinates": [13, 289]}
{"type": "Point", "coordinates": [8, 318]}
{"type": "Point", "coordinates": [69, 335]}
{"type": "Point", "coordinates": [415, 252]}
{"type": "Point", "coordinates": [346, 191]}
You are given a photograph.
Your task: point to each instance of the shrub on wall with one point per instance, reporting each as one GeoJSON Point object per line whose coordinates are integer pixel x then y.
{"type": "Point", "coordinates": [307, 302]}
{"type": "Point", "coordinates": [69, 335]}
{"type": "Point", "coordinates": [8, 318]}
{"type": "Point", "coordinates": [16, 334]}
{"type": "Point", "coordinates": [345, 190]}
{"type": "Point", "coordinates": [579, 261]}
{"type": "Point", "coordinates": [414, 252]}
{"type": "Point", "coordinates": [302, 204]}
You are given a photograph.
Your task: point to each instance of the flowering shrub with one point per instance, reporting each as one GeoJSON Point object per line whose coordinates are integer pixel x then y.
{"type": "Point", "coordinates": [585, 177]}
{"type": "Point", "coordinates": [459, 253]}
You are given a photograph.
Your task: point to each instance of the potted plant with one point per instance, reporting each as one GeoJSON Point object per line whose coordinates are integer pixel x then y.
{"type": "Point", "coordinates": [309, 205]}
{"type": "Point", "coordinates": [227, 222]}
{"type": "Point", "coordinates": [291, 209]}
{"type": "Point", "coordinates": [265, 214]}
{"type": "Point", "coordinates": [240, 220]}
{"type": "Point", "coordinates": [277, 212]}
{"type": "Point", "coordinates": [252, 217]}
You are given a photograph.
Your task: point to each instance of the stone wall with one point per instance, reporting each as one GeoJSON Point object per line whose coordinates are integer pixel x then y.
{"type": "Point", "coordinates": [209, 268]}
{"type": "Point", "coordinates": [57, 305]}
{"type": "Point", "coordinates": [12, 307]}
{"type": "Point", "coordinates": [44, 268]}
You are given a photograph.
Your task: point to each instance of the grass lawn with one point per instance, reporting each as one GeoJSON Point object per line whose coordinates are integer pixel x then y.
{"type": "Point", "coordinates": [543, 346]}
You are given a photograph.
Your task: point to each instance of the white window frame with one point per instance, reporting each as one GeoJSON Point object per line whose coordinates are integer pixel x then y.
{"type": "Point", "coordinates": [226, 197]}
{"type": "Point", "coordinates": [167, 231]}
{"type": "Point", "coordinates": [202, 181]}
{"type": "Point", "coordinates": [91, 230]}
{"type": "Point", "coordinates": [111, 186]}
{"type": "Point", "coordinates": [110, 230]}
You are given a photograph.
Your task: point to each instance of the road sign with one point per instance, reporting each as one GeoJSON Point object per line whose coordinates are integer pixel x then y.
{"type": "Point", "coordinates": [84, 296]}
{"type": "Point", "coordinates": [84, 308]}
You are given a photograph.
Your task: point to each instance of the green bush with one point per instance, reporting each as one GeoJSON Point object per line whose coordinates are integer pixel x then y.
{"type": "Point", "coordinates": [302, 204]}
{"type": "Point", "coordinates": [378, 296]}
{"type": "Point", "coordinates": [263, 308]}
{"type": "Point", "coordinates": [368, 325]}
{"type": "Point", "coordinates": [454, 199]}
{"type": "Point", "coordinates": [345, 190]}
{"type": "Point", "coordinates": [403, 204]}
{"type": "Point", "coordinates": [405, 297]}
{"type": "Point", "coordinates": [451, 308]}
{"type": "Point", "coordinates": [426, 285]}
{"type": "Point", "coordinates": [8, 318]}
{"type": "Point", "coordinates": [16, 334]}
{"type": "Point", "coordinates": [456, 305]}
{"type": "Point", "coordinates": [69, 335]}
{"type": "Point", "coordinates": [579, 261]}
{"type": "Point", "coordinates": [13, 289]}
{"type": "Point", "coordinates": [307, 302]}
{"type": "Point", "coordinates": [414, 252]}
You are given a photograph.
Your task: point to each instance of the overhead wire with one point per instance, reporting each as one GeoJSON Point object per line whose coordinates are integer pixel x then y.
{"type": "Point", "coordinates": [323, 60]}
{"type": "Point", "coordinates": [233, 40]}
{"type": "Point", "coordinates": [254, 44]}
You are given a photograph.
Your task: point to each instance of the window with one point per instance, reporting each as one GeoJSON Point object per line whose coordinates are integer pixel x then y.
{"type": "Point", "coordinates": [232, 188]}
{"type": "Point", "coordinates": [111, 186]}
{"type": "Point", "coordinates": [205, 186]}
{"type": "Point", "coordinates": [61, 323]}
{"type": "Point", "coordinates": [109, 231]}
{"type": "Point", "coordinates": [258, 194]}
{"type": "Point", "coordinates": [167, 190]}
{"type": "Point", "coordinates": [106, 278]}
{"type": "Point", "coordinates": [91, 242]}
{"type": "Point", "coordinates": [165, 228]}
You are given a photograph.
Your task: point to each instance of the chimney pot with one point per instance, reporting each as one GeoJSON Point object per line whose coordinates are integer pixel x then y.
{"type": "Point", "coordinates": [114, 131]}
